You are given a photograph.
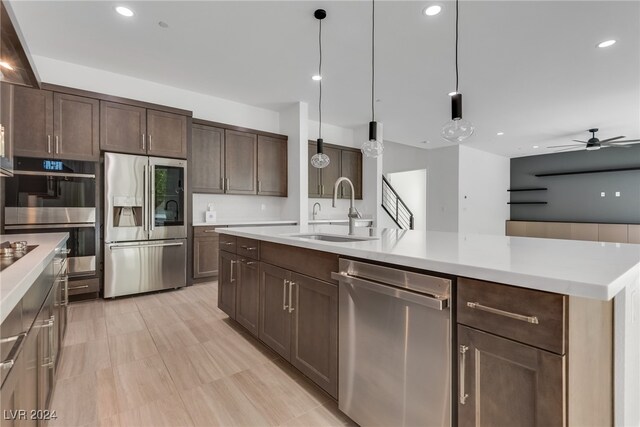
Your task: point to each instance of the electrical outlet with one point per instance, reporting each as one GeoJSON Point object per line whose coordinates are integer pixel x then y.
{"type": "Point", "coordinates": [602, 194]}
{"type": "Point", "coordinates": [617, 194]}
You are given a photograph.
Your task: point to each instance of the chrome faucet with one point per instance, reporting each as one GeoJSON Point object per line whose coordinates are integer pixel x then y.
{"type": "Point", "coordinates": [314, 209]}
{"type": "Point", "coordinates": [353, 212]}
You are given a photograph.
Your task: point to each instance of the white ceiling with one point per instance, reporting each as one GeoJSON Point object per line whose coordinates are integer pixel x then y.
{"type": "Point", "coordinates": [530, 69]}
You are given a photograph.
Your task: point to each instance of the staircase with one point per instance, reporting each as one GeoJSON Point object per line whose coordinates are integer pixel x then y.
{"type": "Point", "coordinates": [395, 207]}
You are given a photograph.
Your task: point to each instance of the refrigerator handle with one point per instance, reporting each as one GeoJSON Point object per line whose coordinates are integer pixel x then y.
{"type": "Point", "coordinates": [152, 194]}
{"type": "Point", "coordinates": [145, 202]}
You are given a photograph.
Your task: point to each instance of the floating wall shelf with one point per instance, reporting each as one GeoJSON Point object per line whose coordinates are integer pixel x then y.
{"type": "Point", "coordinates": [526, 203]}
{"type": "Point", "coordinates": [526, 189]}
{"type": "Point", "coordinates": [635, 168]}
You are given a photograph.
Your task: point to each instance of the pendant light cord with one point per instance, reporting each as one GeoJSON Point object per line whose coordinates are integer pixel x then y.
{"type": "Point", "coordinates": [457, 46]}
{"type": "Point", "coordinates": [373, 53]}
{"type": "Point", "coordinates": [320, 74]}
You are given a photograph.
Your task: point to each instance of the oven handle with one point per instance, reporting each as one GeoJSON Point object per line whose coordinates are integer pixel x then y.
{"type": "Point", "coordinates": [44, 226]}
{"type": "Point", "coordinates": [62, 175]}
{"type": "Point", "coordinates": [435, 302]}
{"type": "Point", "coordinates": [158, 245]}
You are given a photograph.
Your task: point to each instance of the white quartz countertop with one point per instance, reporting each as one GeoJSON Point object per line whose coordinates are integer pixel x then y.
{"type": "Point", "coordinates": [577, 268]}
{"type": "Point", "coordinates": [245, 222]}
{"type": "Point", "coordinates": [16, 279]}
{"type": "Point", "coordinates": [337, 220]}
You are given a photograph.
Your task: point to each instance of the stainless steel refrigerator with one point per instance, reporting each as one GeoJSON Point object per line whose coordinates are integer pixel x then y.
{"type": "Point", "coordinates": [145, 229]}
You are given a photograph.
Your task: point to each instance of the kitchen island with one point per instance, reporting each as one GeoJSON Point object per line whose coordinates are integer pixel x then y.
{"type": "Point", "coordinates": [601, 277]}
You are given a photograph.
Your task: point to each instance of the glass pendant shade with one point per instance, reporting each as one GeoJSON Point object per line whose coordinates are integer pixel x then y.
{"type": "Point", "coordinates": [372, 148]}
{"type": "Point", "coordinates": [320, 160]}
{"type": "Point", "coordinates": [457, 129]}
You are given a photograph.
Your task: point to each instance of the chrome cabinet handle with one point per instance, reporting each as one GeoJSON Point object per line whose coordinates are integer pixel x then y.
{"type": "Point", "coordinates": [66, 291]}
{"type": "Point", "coordinates": [49, 144]}
{"type": "Point", "coordinates": [11, 357]}
{"type": "Point", "coordinates": [143, 144]}
{"type": "Point", "coordinates": [285, 282]}
{"type": "Point", "coordinates": [57, 144]}
{"type": "Point", "coordinates": [227, 243]}
{"type": "Point", "coordinates": [150, 142]}
{"type": "Point", "coordinates": [463, 352]}
{"type": "Point", "coordinates": [259, 186]}
{"type": "Point", "coordinates": [209, 231]}
{"type": "Point", "coordinates": [226, 184]}
{"type": "Point", "coordinates": [250, 262]}
{"type": "Point", "coordinates": [291, 285]}
{"type": "Point", "coordinates": [528, 319]}
{"type": "Point", "coordinates": [231, 280]}
{"type": "Point", "coordinates": [80, 287]}
{"type": "Point", "coordinates": [252, 248]}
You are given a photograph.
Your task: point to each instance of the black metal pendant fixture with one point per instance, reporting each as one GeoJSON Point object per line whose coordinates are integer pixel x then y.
{"type": "Point", "coordinates": [457, 129]}
{"type": "Point", "coordinates": [319, 160]}
{"type": "Point", "coordinates": [373, 147]}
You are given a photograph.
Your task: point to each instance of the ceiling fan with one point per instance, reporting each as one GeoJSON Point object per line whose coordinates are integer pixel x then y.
{"type": "Point", "coordinates": [594, 143]}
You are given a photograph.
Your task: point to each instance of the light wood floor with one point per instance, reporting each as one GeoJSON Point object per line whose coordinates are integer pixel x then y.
{"type": "Point", "coordinates": [174, 359]}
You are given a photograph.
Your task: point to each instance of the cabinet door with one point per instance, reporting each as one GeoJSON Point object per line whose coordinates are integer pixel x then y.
{"type": "Point", "coordinates": [32, 122]}
{"type": "Point", "coordinates": [205, 256]}
{"type": "Point", "coordinates": [227, 279]}
{"type": "Point", "coordinates": [272, 166]}
{"type": "Point", "coordinates": [240, 164]}
{"type": "Point", "coordinates": [352, 169]}
{"type": "Point", "coordinates": [274, 325]}
{"type": "Point", "coordinates": [207, 159]}
{"type": "Point", "coordinates": [518, 385]}
{"type": "Point", "coordinates": [29, 377]}
{"type": "Point", "coordinates": [247, 294]}
{"type": "Point", "coordinates": [314, 174]}
{"type": "Point", "coordinates": [45, 322]}
{"type": "Point", "coordinates": [167, 134]}
{"type": "Point", "coordinates": [314, 331]}
{"type": "Point", "coordinates": [331, 173]}
{"type": "Point", "coordinates": [123, 128]}
{"type": "Point", "coordinates": [76, 122]}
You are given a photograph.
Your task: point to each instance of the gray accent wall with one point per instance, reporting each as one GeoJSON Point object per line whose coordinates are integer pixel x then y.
{"type": "Point", "coordinates": [577, 198]}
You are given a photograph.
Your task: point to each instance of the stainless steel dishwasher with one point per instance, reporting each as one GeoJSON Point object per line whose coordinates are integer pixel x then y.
{"type": "Point", "coordinates": [394, 346]}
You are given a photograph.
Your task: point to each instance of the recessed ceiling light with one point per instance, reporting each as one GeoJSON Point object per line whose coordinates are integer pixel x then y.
{"type": "Point", "coordinates": [536, 146]}
{"type": "Point", "coordinates": [163, 24]}
{"type": "Point", "coordinates": [432, 10]}
{"type": "Point", "coordinates": [500, 133]}
{"type": "Point", "coordinates": [316, 77]}
{"type": "Point", "coordinates": [607, 43]}
{"type": "Point", "coordinates": [6, 65]}
{"type": "Point", "coordinates": [124, 11]}
{"type": "Point", "coordinates": [452, 93]}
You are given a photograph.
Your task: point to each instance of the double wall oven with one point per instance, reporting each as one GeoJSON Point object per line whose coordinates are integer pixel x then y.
{"type": "Point", "coordinates": [48, 196]}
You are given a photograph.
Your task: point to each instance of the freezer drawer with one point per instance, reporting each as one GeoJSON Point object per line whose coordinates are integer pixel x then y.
{"type": "Point", "coordinates": [137, 267]}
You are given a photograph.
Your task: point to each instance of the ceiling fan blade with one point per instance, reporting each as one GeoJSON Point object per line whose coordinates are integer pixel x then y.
{"type": "Point", "coordinates": [575, 148]}
{"type": "Point", "coordinates": [615, 146]}
{"type": "Point", "coordinates": [581, 142]}
{"type": "Point", "coordinates": [560, 146]}
{"type": "Point", "coordinates": [624, 141]}
{"type": "Point", "coordinates": [611, 139]}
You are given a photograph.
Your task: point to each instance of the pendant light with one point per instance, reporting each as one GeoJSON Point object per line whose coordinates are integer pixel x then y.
{"type": "Point", "coordinates": [373, 147]}
{"type": "Point", "coordinates": [320, 160]}
{"type": "Point", "coordinates": [457, 129]}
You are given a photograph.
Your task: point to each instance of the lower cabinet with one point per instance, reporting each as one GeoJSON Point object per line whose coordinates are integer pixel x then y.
{"type": "Point", "coordinates": [506, 383]}
{"type": "Point", "coordinates": [299, 320]}
{"type": "Point", "coordinates": [227, 278]}
{"type": "Point", "coordinates": [247, 294]}
{"type": "Point", "coordinates": [205, 256]}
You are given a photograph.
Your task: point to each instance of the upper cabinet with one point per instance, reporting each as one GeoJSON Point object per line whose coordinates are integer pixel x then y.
{"type": "Point", "coordinates": [48, 124]}
{"type": "Point", "coordinates": [237, 162]}
{"type": "Point", "coordinates": [345, 162]}
{"type": "Point", "coordinates": [240, 162]}
{"type": "Point", "coordinates": [272, 166]}
{"type": "Point", "coordinates": [6, 129]}
{"type": "Point", "coordinates": [137, 130]}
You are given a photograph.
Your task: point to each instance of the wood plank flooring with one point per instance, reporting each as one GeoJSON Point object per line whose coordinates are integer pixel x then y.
{"type": "Point", "coordinates": [174, 359]}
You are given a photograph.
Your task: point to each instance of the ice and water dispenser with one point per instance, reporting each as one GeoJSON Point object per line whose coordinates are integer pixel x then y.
{"type": "Point", "coordinates": [127, 211]}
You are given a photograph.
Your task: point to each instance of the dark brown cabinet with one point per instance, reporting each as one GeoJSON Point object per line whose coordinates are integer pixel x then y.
{"type": "Point", "coordinates": [314, 331]}
{"type": "Point", "coordinates": [136, 130]}
{"type": "Point", "coordinates": [205, 255]}
{"type": "Point", "coordinates": [272, 166]}
{"type": "Point", "coordinates": [56, 125]}
{"type": "Point", "coordinates": [6, 126]}
{"type": "Point", "coordinates": [343, 162]}
{"type": "Point", "coordinates": [503, 382]}
{"type": "Point", "coordinates": [240, 160]}
{"type": "Point", "coordinates": [32, 122]}
{"type": "Point", "coordinates": [76, 124]}
{"type": "Point", "coordinates": [275, 320]}
{"type": "Point", "coordinates": [247, 294]}
{"type": "Point", "coordinates": [207, 159]}
{"type": "Point", "coordinates": [227, 277]}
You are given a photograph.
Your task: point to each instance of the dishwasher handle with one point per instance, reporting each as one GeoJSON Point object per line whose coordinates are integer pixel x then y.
{"type": "Point", "coordinates": [435, 302]}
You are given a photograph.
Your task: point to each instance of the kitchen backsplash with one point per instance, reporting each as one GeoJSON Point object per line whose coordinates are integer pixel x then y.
{"type": "Point", "coordinates": [233, 207]}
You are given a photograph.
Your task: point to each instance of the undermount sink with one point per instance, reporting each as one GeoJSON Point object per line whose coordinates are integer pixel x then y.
{"type": "Point", "coordinates": [333, 237]}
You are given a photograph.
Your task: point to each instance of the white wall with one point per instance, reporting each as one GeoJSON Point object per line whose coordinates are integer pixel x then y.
{"type": "Point", "coordinates": [483, 196]}
{"type": "Point", "coordinates": [412, 189]}
{"type": "Point", "coordinates": [294, 123]}
{"type": "Point", "coordinates": [235, 207]}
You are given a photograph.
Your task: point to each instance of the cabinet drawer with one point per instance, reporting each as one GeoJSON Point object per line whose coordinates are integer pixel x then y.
{"type": "Point", "coordinates": [531, 317]}
{"type": "Point", "coordinates": [78, 287]}
{"type": "Point", "coordinates": [228, 243]}
{"type": "Point", "coordinates": [208, 231]}
{"type": "Point", "coordinates": [248, 247]}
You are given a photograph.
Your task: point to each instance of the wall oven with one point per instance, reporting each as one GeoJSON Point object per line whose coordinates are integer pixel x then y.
{"type": "Point", "coordinates": [48, 196]}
